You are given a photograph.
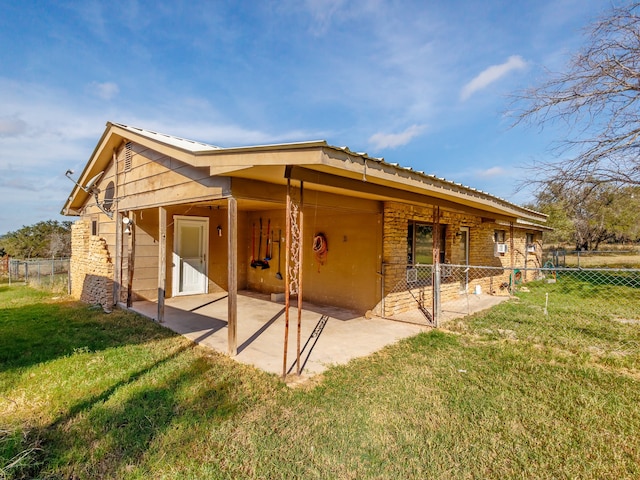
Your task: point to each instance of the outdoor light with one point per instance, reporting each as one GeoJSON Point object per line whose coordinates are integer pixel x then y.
{"type": "Point", "coordinates": [127, 225]}
{"type": "Point", "coordinates": [219, 230]}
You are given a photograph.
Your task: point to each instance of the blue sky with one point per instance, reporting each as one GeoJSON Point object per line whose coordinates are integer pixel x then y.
{"type": "Point", "coordinates": [421, 83]}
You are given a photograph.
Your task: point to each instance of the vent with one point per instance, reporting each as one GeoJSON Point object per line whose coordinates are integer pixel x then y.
{"type": "Point", "coordinates": [128, 155]}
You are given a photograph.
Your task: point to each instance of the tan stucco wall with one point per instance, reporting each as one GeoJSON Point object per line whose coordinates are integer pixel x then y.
{"type": "Point", "coordinates": [348, 278]}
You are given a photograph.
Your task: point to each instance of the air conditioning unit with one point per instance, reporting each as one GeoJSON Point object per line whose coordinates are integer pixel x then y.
{"type": "Point", "coordinates": [446, 271]}
{"type": "Point", "coordinates": [531, 248]}
{"type": "Point", "coordinates": [501, 248]}
{"type": "Point", "coordinates": [412, 275]}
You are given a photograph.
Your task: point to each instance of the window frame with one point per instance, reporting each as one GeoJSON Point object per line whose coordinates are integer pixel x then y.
{"type": "Point", "coordinates": [411, 236]}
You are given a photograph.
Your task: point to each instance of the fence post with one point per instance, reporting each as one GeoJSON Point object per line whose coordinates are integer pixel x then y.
{"type": "Point", "coordinates": [382, 292]}
{"type": "Point", "coordinates": [436, 294]}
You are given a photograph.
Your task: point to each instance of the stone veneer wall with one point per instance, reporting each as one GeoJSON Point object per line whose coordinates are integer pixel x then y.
{"type": "Point", "coordinates": [91, 266]}
{"type": "Point", "coordinates": [481, 241]}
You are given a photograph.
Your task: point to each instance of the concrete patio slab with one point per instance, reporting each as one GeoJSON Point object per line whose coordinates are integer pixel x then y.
{"type": "Point", "coordinates": [328, 336]}
{"type": "Point", "coordinates": [454, 309]}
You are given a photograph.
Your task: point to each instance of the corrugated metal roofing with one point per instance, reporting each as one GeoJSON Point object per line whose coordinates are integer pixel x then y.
{"type": "Point", "coordinates": [441, 180]}
{"type": "Point", "coordinates": [174, 141]}
{"type": "Point", "coordinates": [199, 147]}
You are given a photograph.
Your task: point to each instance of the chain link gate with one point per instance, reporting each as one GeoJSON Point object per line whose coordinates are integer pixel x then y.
{"type": "Point", "coordinates": [408, 293]}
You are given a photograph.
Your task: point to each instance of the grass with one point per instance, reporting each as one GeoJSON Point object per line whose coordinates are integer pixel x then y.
{"type": "Point", "coordinates": [511, 393]}
{"type": "Point", "coordinates": [610, 259]}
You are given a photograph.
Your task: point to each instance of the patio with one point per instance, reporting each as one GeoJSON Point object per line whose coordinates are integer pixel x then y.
{"type": "Point", "coordinates": [329, 335]}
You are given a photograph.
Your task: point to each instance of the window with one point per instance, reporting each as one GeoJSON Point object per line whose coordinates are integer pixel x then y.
{"type": "Point", "coordinates": [94, 227]}
{"type": "Point", "coordinates": [531, 242]}
{"type": "Point", "coordinates": [499, 236]}
{"type": "Point", "coordinates": [420, 243]}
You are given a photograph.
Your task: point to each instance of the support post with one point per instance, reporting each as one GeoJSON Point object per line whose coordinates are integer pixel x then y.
{"type": "Point", "coordinates": [300, 255]}
{"type": "Point", "coordinates": [287, 278]}
{"type": "Point", "coordinates": [436, 295]}
{"type": "Point", "coordinates": [512, 245]}
{"type": "Point", "coordinates": [232, 278]}
{"type": "Point", "coordinates": [117, 272]}
{"type": "Point", "coordinates": [162, 261]}
{"type": "Point", "coordinates": [131, 262]}
{"type": "Point", "coordinates": [435, 284]}
{"type": "Point", "coordinates": [293, 268]}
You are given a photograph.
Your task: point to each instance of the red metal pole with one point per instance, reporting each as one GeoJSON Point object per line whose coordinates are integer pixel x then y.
{"type": "Point", "coordinates": [300, 250]}
{"type": "Point", "coordinates": [287, 278]}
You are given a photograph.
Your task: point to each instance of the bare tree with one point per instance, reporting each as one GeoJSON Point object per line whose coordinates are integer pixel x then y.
{"type": "Point", "coordinates": [598, 98]}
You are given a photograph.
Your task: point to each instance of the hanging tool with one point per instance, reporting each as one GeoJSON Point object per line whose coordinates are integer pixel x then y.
{"type": "Point", "coordinates": [278, 274]}
{"type": "Point", "coordinates": [268, 252]}
{"type": "Point", "coordinates": [261, 263]}
{"type": "Point", "coordinates": [253, 246]}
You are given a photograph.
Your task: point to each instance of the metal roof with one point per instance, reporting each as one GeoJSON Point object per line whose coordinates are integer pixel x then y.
{"type": "Point", "coordinates": [459, 187]}
{"type": "Point", "coordinates": [200, 148]}
{"type": "Point", "coordinates": [174, 141]}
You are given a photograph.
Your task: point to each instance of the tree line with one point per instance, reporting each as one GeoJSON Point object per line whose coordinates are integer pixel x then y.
{"type": "Point", "coordinates": [587, 216]}
{"type": "Point", "coordinates": [47, 239]}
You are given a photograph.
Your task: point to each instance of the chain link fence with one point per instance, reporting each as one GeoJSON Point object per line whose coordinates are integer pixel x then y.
{"type": "Point", "coordinates": [50, 274]}
{"type": "Point", "coordinates": [584, 311]}
{"type": "Point", "coordinates": [613, 258]}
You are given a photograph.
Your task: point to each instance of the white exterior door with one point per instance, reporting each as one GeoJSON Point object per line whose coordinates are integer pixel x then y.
{"type": "Point", "coordinates": [190, 247]}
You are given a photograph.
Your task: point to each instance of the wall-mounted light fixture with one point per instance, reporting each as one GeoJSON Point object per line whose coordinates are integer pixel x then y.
{"type": "Point", "coordinates": [219, 230]}
{"type": "Point", "coordinates": [127, 225]}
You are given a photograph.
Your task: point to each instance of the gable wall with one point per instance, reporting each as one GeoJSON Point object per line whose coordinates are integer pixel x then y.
{"type": "Point", "coordinates": [155, 179]}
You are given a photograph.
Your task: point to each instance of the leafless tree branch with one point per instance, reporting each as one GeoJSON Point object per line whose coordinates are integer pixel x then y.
{"type": "Point", "coordinates": [598, 98]}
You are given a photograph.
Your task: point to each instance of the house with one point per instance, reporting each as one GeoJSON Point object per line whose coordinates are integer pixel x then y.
{"type": "Point", "coordinates": [162, 216]}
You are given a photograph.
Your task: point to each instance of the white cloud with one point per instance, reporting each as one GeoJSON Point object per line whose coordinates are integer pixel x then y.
{"type": "Point", "coordinates": [492, 172]}
{"type": "Point", "coordinates": [392, 140]}
{"type": "Point", "coordinates": [492, 74]}
{"type": "Point", "coordinates": [12, 126]}
{"type": "Point", "coordinates": [106, 90]}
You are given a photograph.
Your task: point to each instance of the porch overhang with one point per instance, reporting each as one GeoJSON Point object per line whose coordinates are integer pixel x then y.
{"type": "Point", "coordinates": [322, 166]}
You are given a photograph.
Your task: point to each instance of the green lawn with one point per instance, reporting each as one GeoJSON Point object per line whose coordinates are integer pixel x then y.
{"type": "Point", "coordinates": [511, 393]}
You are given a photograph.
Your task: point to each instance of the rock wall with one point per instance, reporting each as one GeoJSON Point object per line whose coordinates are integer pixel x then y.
{"type": "Point", "coordinates": [91, 266]}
